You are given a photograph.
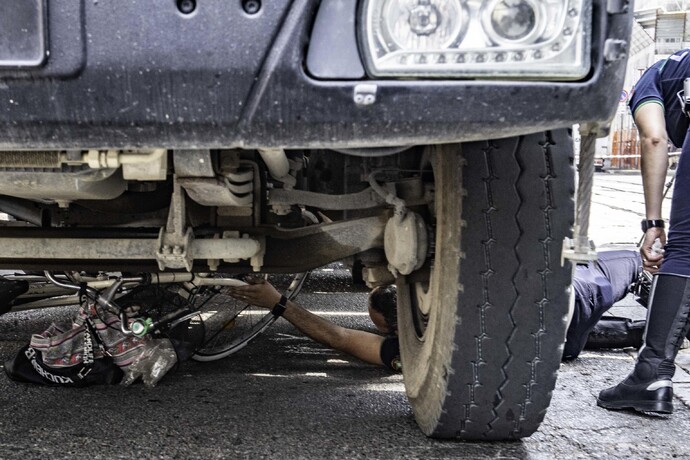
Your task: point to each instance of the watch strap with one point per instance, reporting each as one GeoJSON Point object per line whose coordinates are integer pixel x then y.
{"type": "Point", "coordinates": [279, 308]}
{"type": "Point", "coordinates": [652, 223]}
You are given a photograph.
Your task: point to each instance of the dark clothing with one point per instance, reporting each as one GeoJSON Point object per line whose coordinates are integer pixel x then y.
{"type": "Point", "coordinates": [597, 287]}
{"type": "Point", "coordinates": [390, 353]}
{"type": "Point", "coordinates": [677, 251]}
{"type": "Point", "coordinates": [661, 83]}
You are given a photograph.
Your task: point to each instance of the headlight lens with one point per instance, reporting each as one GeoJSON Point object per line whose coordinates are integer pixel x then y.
{"type": "Point", "coordinates": [514, 21]}
{"type": "Point", "coordinates": [422, 25]}
{"type": "Point", "coordinates": [546, 39]}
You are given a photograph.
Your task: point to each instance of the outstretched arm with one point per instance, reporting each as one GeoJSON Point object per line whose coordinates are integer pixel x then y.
{"type": "Point", "coordinates": [360, 344]}
{"type": "Point", "coordinates": [651, 124]}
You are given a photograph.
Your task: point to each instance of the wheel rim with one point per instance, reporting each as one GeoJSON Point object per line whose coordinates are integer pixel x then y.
{"type": "Point", "coordinates": [423, 303]}
{"type": "Point", "coordinates": [421, 298]}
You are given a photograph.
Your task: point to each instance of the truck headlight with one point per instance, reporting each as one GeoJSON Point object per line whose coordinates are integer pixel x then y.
{"type": "Point", "coordinates": [547, 39]}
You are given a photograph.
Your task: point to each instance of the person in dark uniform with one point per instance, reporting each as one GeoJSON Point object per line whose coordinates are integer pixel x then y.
{"type": "Point", "coordinates": [597, 286]}
{"type": "Point", "coordinates": [660, 115]}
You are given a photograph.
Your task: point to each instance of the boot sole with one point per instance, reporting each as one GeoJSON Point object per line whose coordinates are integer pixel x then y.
{"type": "Point", "coordinates": [657, 407]}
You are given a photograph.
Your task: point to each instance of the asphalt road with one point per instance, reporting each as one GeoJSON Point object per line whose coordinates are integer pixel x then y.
{"type": "Point", "coordinates": [286, 397]}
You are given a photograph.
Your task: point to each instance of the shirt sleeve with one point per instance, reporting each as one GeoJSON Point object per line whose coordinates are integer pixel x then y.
{"type": "Point", "coordinates": [390, 353]}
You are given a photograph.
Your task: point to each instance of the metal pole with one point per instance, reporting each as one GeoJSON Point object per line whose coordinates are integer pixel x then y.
{"type": "Point", "coordinates": [580, 249]}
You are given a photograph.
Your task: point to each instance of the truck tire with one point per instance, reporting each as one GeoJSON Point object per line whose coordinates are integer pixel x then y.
{"type": "Point", "coordinates": [482, 326]}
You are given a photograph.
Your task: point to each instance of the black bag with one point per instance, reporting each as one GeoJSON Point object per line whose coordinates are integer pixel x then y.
{"type": "Point", "coordinates": [28, 366]}
{"type": "Point", "coordinates": [63, 358]}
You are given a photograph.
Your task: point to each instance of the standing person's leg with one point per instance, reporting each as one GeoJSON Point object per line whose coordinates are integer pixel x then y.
{"type": "Point", "coordinates": [649, 387]}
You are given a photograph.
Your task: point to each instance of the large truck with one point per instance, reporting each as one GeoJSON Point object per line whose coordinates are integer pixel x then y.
{"type": "Point", "coordinates": [429, 140]}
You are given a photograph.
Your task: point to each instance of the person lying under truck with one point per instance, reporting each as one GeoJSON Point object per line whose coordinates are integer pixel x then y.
{"type": "Point", "coordinates": [597, 287]}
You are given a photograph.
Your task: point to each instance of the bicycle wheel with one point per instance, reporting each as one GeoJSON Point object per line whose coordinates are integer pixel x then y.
{"type": "Point", "coordinates": [228, 325]}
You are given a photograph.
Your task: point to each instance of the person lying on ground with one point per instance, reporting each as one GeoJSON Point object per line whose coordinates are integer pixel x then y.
{"type": "Point", "coordinates": [369, 347]}
{"type": "Point", "coordinates": [597, 287]}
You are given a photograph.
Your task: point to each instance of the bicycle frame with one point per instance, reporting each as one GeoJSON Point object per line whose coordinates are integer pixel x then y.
{"type": "Point", "coordinates": [68, 289]}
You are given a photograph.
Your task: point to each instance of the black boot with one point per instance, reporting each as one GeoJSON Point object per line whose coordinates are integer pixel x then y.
{"type": "Point", "coordinates": [616, 332]}
{"type": "Point", "coordinates": [649, 388]}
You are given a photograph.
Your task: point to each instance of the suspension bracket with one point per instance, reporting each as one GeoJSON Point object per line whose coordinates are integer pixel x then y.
{"type": "Point", "coordinates": [175, 240]}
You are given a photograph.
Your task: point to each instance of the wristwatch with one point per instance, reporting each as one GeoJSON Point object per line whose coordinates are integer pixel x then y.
{"type": "Point", "coordinates": [647, 224]}
{"type": "Point", "coordinates": [279, 308]}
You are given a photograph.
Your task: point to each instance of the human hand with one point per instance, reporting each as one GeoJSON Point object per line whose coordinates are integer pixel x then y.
{"type": "Point", "coordinates": [652, 256]}
{"type": "Point", "coordinates": [258, 292]}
